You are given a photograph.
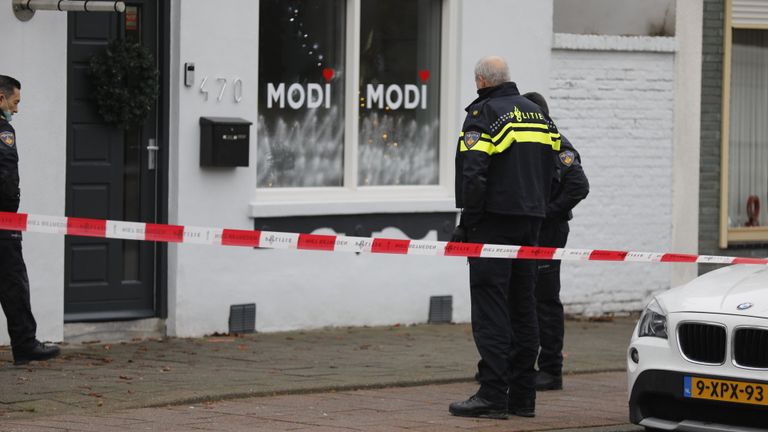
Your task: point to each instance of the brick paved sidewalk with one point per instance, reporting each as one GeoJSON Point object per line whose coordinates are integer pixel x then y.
{"type": "Point", "coordinates": [100, 379]}
{"type": "Point", "coordinates": [588, 400]}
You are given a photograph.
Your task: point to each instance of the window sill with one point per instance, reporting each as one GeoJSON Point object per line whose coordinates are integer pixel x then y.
{"type": "Point", "coordinates": [320, 202]}
{"type": "Point", "coordinates": [748, 235]}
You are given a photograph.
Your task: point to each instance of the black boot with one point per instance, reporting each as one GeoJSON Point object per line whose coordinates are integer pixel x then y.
{"type": "Point", "coordinates": [39, 351]}
{"type": "Point", "coordinates": [547, 381]}
{"type": "Point", "coordinates": [476, 406]}
{"type": "Point", "coordinates": [525, 407]}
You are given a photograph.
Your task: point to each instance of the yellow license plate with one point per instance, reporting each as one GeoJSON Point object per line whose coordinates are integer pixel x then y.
{"type": "Point", "coordinates": [724, 390]}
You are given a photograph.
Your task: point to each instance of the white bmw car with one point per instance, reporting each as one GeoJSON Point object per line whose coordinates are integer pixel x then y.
{"type": "Point", "coordinates": [698, 359]}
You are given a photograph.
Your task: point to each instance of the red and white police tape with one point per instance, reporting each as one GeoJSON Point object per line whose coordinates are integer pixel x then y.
{"type": "Point", "coordinates": [332, 243]}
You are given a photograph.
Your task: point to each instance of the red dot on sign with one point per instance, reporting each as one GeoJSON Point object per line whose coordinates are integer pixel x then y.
{"type": "Point", "coordinates": [424, 75]}
{"type": "Point", "coordinates": [328, 74]}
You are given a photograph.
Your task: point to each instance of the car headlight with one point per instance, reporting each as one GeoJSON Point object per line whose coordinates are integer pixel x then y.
{"type": "Point", "coordinates": [653, 322]}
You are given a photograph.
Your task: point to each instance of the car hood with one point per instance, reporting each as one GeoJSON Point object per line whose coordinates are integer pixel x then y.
{"type": "Point", "coordinates": [722, 291]}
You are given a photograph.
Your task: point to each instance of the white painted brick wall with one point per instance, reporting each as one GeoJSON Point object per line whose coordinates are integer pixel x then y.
{"type": "Point", "coordinates": [617, 108]}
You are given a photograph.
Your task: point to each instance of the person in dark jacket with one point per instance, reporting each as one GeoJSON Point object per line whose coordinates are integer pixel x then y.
{"type": "Point", "coordinates": [504, 170]}
{"type": "Point", "coordinates": [14, 284]}
{"type": "Point", "coordinates": [569, 187]}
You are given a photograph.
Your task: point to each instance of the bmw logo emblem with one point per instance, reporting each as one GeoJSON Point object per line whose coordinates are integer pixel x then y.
{"type": "Point", "coordinates": [744, 306]}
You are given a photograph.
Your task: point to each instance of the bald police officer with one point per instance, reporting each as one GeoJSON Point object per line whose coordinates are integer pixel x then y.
{"type": "Point", "coordinates": [504, 170]}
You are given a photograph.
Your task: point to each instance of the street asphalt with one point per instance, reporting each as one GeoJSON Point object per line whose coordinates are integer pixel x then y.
{"type": "Point", "coordinates": [338, 379]}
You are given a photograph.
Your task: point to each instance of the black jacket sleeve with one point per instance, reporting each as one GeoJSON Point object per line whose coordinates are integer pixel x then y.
{"type": "Point", "coordinates": [9, 170]}
{"type": "Point", "coordinates": [474, 179]}
{"type": "Point", "coordinates": [475, 162]}
{"type": "Point", "coordinates": [574, 188]}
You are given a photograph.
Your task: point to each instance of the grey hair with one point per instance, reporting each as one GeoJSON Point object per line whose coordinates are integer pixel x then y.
{"type": "Point", "coordinates": [494, 69]}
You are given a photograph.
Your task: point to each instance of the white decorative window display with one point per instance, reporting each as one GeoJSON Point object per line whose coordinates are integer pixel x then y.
{"type": "Point", "coordinates": [300, 128]}
{"type": "Point", "coordinates": [399, 86]}
{"type": "Point", "coordinates": [302, 123]}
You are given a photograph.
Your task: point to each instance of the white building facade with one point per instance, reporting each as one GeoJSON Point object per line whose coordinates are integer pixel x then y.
{"type": "Point", "coordinates": [354, 108]}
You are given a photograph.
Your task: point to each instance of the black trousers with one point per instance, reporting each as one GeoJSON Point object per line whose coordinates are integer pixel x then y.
{"type": "Point", "coordinates": [549, 308]}
{"type": "Point", "coordinates": [504, 322]}
{"type": "Point", "coordinates": [14, 295]}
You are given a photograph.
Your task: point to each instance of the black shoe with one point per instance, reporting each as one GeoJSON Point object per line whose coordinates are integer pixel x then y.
{"type": "Point", "coordinates": [547, 381]}
{"type": "Point", "coordinates": [39, 351]}
{"type": "Point", "coordinates": [476, 406]}
{"type": "Point", "coordinates": [523, 407]}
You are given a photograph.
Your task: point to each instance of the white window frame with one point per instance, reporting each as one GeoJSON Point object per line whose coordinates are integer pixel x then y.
{"type": "Point", "coordinates": [741, 20]}
{"type": "Point", "coordinates": [352, 198]}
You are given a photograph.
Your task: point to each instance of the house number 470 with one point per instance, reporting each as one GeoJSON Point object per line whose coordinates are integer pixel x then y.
{"type": "Point", "coordinates": [237, 88]}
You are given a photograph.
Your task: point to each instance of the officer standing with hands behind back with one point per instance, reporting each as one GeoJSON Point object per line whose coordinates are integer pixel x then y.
{"type": "Point", "coordinates": [14, 284]}
{"type": "Point", "coordinates": [504, 169]}
{"type": "Point", "coordinates": [569, 187]}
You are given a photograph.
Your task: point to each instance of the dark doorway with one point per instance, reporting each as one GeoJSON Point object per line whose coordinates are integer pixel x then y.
{"type": "Point", "coordinates": [112, 173]}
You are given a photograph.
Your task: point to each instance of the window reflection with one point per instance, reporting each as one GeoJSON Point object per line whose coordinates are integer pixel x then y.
{"type": "Point", "coordinates": [399, 92]}
{"type": "Point", "coordinates": [748, 170]}
{"type": "Point", "coordinates": [300, 129]}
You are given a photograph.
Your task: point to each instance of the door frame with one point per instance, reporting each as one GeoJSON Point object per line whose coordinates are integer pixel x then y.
{"type": "Point", "coordinates": [163, 157]}
{"type": "Point", "coordinates": [162, 134]}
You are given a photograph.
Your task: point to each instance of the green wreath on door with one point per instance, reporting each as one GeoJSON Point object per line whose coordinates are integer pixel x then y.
{"type": "Point", "coordinates": [125, 82]}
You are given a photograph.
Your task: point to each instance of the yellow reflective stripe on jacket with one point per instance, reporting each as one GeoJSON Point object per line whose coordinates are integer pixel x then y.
{"type": "Point", "coordinates": [555, 137]}
{"type": "Point", "coordinates": [545, 137]}
{"type": "Point", "coordinates": [543, 127]}
{"type": "Point", "coordinates": [482, 135]}
{"type": "Point", "coordinates": [539, 138]}
{"type": "Point", "coordinates": [484, 144]}
{"type": "Point", "coordinates": [492, 146]}
{"type": "Point", "coordinates": [528, 137]}
{"type": "Point", "coordinates": [506, 142]}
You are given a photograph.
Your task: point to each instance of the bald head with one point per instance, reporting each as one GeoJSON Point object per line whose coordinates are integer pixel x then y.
{"type": "Point", "coordinates": [491, 71]}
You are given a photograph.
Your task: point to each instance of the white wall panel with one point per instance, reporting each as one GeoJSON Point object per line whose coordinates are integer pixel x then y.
{"type": "Point", "coordinates": [35, 53]}
{"type": "Point", "coordinates": [617, 108]}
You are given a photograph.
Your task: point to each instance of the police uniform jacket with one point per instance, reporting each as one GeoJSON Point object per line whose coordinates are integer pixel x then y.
{"type": "Point", "coordinates": [570, 184]}
{"type": "Point", "coordinates": [9, 174]}
{"type": "Point", "coordinates": [505, 159]}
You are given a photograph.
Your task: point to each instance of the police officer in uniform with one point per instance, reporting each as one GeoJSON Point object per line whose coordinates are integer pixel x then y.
{"type": "Point", "coordinates": [569, 187]}
{"type": "Point", "coordinates": [14, 284]}
{"type": "Point", "coordinates": [504, 170]}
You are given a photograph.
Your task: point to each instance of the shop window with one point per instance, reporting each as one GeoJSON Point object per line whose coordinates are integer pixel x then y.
{"type": "Point", "coordinates": [748, 137]}
{"type": "Point", "coordinates": [745, 130]}
{"type": "Point", "coordinates": [615, 17]}
{"type": "Point", "coordinates": [314, 55]}
{"type": "Point", "coordinates": [399, 83]}
{"type": "Point", "coordinates": [300, 129]}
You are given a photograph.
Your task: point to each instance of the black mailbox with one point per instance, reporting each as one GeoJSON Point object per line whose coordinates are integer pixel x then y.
{"type": "Point", "coordinates": [224, 141]}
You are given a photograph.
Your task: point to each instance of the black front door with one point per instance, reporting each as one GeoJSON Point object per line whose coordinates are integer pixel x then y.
{"type": "Point", "coordinates": [109, 176]}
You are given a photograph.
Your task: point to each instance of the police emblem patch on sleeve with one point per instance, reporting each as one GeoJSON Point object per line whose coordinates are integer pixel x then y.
{"type": "Point", "coordinates": [566, 157]}
{"type": "Point", "coordinates": [471, 138]}
{"type": "Point", "coordinates": [8, 138]}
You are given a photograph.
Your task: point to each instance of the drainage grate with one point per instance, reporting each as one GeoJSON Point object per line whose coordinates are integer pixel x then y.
{"type": "Point", "coordinates": [242, 318]}
{"type": "Point", "coordinates": [440, 309]}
